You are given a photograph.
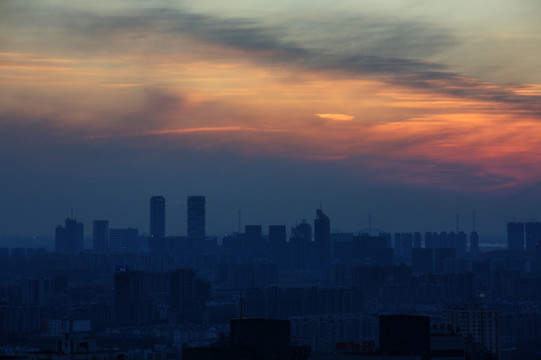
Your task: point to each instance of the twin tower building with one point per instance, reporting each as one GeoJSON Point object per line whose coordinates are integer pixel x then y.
{"type": "Point", "coordinates": [196, 217]}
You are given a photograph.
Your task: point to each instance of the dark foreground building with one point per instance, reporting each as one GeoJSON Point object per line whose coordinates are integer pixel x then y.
{"type": "Point", "coordinates": [253, 339]}
{"type": "Point", "coordinates": [404, 335]}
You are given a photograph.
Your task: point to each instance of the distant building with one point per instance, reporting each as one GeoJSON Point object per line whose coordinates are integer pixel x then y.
{"type": "Point", "coordinates": [69, 239]}
{"type": "Point", "coordinates": [100, 235]}
{"type": "Point", "coordinates": [131, 292]}
{"type": "Point", "coordinates": [196, 218]}
{"type": "Point", "coordinates": [322, 239]}
{"type": "Point", "coordinates": [300, 246]}
{"type": "Point", "coordinates": [481, 323]}
{"type": "Point", "coordinates": [157, 217]}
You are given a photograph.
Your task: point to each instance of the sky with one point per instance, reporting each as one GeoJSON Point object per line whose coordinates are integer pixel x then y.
{"type": "Point", "coordinates": [412, 111]}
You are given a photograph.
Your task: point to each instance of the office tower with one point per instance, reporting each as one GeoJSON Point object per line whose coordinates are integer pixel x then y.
{"type": "Point", "coordinates": [124, 240]}
{"type": "Point", "coordinates": [278, 243]}
{"type": "Point", "coordinates": [481, 323]}
{"type": "Point", "coordinates": [157, 217]}
{"type": "Point", "coordinates": [69, 239]}
{"type": "Point", "coordinates": [322, 239]}
{"type": "Point", "coordinates": [100, 236]}
{"type": "Point", "coordinates": [196, 218]}
{"type": "Point", "coordinates": [533, 235]}
{"type": "Point", "coordinates": [404, 335]}
{"type": "Point", "coordinates": [515, 236]}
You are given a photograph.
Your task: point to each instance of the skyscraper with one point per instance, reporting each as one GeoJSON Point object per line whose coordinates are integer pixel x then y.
{"type": "Point", "coordinates": [322, 239]}
{"type": "Point", "coordinates": [157, 217]}
{"type": "Point", "coordinates": [69, 238]}
{"type": "Point", "coordinates": [196, 218]}
{"type": "Point", "coordinates": [100, 235]}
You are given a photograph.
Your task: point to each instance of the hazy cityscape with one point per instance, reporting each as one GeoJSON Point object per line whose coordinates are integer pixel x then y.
{"type": "Point", "coordinates": [310, 292]}
{"type": "Point", "coordinates": [264, 180]}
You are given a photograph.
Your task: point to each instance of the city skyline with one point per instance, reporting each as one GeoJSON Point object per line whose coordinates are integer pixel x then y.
{"type": "Point", "coordinates": [412, 111]}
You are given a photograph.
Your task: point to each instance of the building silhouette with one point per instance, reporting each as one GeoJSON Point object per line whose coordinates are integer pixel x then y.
{"type": "Point", "coordinates": [100, 236]}
{"type": "Point", "coordinates": [69, 239]}
{"type": "Point", "coordinates": [131, 292]}
{"type": "Point", "coordinates": [322, 239]}
{"type": "Point", "coordinates": [196, 218]}
{"type": "Point", "coordinates": [157, 217]}
{"type": "Point", "coordinates": [401, 335]}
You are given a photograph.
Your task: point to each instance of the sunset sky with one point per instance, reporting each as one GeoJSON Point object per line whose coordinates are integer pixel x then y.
{"type": "Point", "coordinates": [413, 111]}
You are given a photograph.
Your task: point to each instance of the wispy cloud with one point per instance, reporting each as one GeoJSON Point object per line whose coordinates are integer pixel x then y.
{"type": "Point", "coordinates": [336, 117]}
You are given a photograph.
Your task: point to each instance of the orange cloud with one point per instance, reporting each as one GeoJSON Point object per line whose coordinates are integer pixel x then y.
{"type": "Point", "coordinates": [336, 117]}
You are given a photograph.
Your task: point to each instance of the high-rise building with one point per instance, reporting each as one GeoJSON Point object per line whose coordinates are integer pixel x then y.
{"type": "Point", "coordinates": [481, 323]}
{"type": "Point", "coordinates": [515, 235]}
{"type": "Point", "coordinates": [322, 239]}
{"type": "Point", "coordinates": [196, 218]}
{"type": "Point", "coordinates": [100, 235]}
{"type": "Point", "coordinates": [299, 243]}
{"type": "Point", "coordinates": [157, 217]}
{"type": "Point", "coordinates": [69, 239]}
